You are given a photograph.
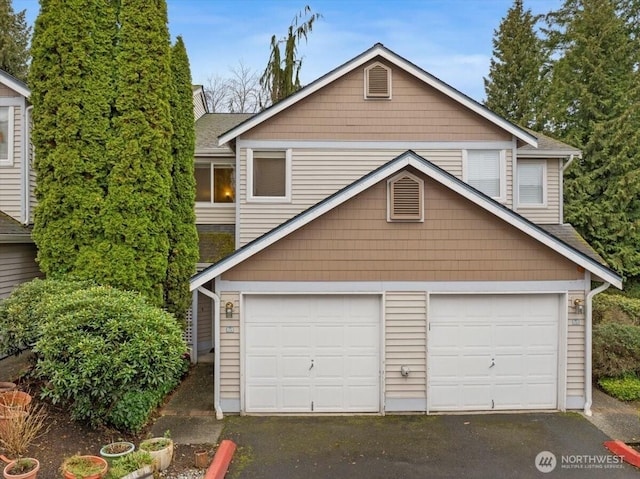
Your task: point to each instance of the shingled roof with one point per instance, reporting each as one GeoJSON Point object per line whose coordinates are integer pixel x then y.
{"type": "Point", "coordinates": [211, 125]}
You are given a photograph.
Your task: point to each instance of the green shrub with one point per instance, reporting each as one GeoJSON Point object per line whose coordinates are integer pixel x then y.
{"type": "Point", "coordinates": [24, 312]}
{"type": "Point", "coordinates": [104, 346]}
{"type": "Point", "coordinates": [626, 388]}
{"type": "Point", "coordinates": [616, 350]}
{"type": "Point", "coordinates": [616, 308]}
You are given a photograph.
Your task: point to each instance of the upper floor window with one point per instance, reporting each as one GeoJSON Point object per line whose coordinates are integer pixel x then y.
{"type": "Point", "coordinates": [215, 183]}
{"type": "Point", "coordinates": [405, 198]}
{"type": "Point", "coordinates": [377, 82]}
{"type": "Point", "coordinates": [6, 136]}
{"type": "Point", "coordinates": [532, 187]}
{"type": "Point", "coordinates": [485, 170]}
{"type": "Point", "coordinates": [269, 175]}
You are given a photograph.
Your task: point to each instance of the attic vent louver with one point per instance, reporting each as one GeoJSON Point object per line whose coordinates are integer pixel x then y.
{"type": "Point", "coordinates": [405, 198]}
{"type": "Point", "coordinates": [377, 81]}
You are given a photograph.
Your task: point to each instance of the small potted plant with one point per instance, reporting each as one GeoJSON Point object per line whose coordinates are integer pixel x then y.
{"type": "Point", "coordinates": [136, 465]}
{"type": "Point", "coordinates": [115, 450]}
{"type": "Point", "coordinates": [23, 468]}
{"type": "Point", "coordinates": [161, 449]}
{"type": "Point", "coordinates": [84, 467]}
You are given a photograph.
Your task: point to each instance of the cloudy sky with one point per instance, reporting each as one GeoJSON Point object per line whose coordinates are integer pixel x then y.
{"type": "Point", "coordinates": [451, 39]}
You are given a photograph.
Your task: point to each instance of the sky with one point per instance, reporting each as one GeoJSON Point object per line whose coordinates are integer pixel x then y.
{"type": "Point", "coordinates": [451, 39]}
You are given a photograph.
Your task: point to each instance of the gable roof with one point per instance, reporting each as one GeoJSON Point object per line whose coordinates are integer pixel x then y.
{"type": "Point", "coordinates": [211, 125]}
{"type": "Point", "coordinates": [379, 50]}
{"type": "Point", "coordinates": [410, 158]}
{"type": "Point", "coordinates": [15, 84]}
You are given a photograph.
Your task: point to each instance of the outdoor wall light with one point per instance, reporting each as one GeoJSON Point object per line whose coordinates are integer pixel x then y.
{"type": "Point", "coordinates": [404, 370]}
{"type": "Point", "coordinates": [228, 310]}
{"type": "Point", "coordinates": [578, 306]}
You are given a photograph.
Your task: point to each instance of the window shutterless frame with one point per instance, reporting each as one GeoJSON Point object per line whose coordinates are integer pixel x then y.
{"type": "Point", "coordinates": [260, 193]}
{"type": "Point", "coordinates": [486, 170]}
{"type": "Point", "coordinates": [532, 183]}
{"type": "Point", "coordinates": [212, 185]}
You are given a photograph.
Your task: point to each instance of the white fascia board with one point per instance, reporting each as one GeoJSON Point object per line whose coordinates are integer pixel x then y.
{"type": "Point", "coordinates": [14, 84]}
{"type": "Point", "coordinates": [548, 153]}
{"type": "Point", "coordinates": [397, 61]}
{"type": "Point", "coordinates": [404, 160]}
{"type": "Point", "coordinates": [304, 218]}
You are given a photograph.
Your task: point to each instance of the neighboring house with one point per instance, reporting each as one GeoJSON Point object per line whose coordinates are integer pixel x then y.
{"type": "Point", "coordinates": [399, 248]}
{"type": "Point", "coordinates": [17, 251]}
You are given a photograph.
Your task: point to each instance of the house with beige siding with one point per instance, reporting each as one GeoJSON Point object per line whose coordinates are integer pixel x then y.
{"type": "Point", "coordinates": [17, 183]}
{"type": "Point", "coordinates": [398, 248]}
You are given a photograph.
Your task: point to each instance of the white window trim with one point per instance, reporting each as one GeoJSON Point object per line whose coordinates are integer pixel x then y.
{"type": "Point", "coordinates": [212, 203]}
{"type": "Point", "coordinates": [503, 173]}
{"type": "Point", "coordinates": [269, 199]}
{"type": "Point", "coordinates": [522, 205]}
{"type": "Point", "coordinates": [8, 161]}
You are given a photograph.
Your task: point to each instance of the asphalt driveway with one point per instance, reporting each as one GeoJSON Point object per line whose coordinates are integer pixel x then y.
{"type": "Point", "coordinates": [407, 447]}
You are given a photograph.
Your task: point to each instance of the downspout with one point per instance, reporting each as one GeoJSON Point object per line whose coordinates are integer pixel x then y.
{"type": "Point", "coordinates": [588, 326]}
{"type": "Point", "coordinates": [26, 167]}
{"type": "Point", "coordinates": [566, 165]}
{"type": "Point", "coordinates": [216, 351]}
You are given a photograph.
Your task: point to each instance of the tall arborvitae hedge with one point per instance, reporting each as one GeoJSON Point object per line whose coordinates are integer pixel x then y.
{"type": "Point", "coordinates": [136, 214]}
{"type": "Point", "coordinates": [183, 237]}
{"type": "Point", "coordinates": [72, 93]}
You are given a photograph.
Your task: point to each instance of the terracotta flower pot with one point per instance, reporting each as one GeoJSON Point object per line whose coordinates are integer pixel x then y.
{"type": "Point", "coordinates": [74, 464]}
{"type": "Point", "coordinates": [11, 470]}
{"type": "Point", "coordinates": [6, 386]}
{"type": "Point", "coordinates": [13, 401]}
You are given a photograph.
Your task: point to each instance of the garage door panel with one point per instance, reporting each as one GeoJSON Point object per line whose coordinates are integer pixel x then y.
{"type": "Point", "coordinates": [518, 332]}
{"type": "Point", "coordinates": [337, 334]}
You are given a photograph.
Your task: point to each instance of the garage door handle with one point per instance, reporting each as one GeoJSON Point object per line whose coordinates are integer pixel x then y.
{"type": "Point", "coordinates": [493, 363]}
{"type": "Point", "coordinates": [311, 367]}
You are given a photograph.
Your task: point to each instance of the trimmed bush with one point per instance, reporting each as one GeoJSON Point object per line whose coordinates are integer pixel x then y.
{"type": "Point", "coordinates": [616, 350]}
{"type": "Point", "coordinates": [103, 348]}
{"type": "Point", "coordinates": [625, 389]}
{"type": "Point", "coordinates": [24, 312]}
{"type": "Point", "coordinates": [616, 308]}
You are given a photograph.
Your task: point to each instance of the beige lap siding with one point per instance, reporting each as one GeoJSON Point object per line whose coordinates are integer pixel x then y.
{"type": "Point", "coordinates": [17, 265]}
{"type": "Point", "coordinates": [575, 347]}
{"type": "Point", "coordinates": [318, 173]}
{"type": "Point", "coordinates": [230, 348]}
{"type": "Point", "coordinates": [405, 345]}
{"type": "Point", "coordinates": [458, 241]}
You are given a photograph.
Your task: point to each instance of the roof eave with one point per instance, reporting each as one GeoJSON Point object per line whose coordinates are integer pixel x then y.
{"type": "Point", "coordinates": [527, 153]}
{"type": "Point", "coordinates": [379, 50]}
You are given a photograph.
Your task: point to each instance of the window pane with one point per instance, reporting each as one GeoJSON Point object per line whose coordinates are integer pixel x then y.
{"type": "Point", "coordinates": [269, 173]}
{"type": "Point", "coordinates": [483, 171]}
{"type": "Point", "coordinates": [4, 132]}
{"type": "Point", "coordinates": [203, 182]}
{"type": "Point", "coordinates": [223, 188]}
{"type": "Point", "coordinates": [530, 182]}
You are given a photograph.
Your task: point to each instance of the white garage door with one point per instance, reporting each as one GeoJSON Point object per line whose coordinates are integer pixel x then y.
{"type": "Point", "coordinates": [493, 352]}
{"type": "Point", "coordinates": [312, 353]}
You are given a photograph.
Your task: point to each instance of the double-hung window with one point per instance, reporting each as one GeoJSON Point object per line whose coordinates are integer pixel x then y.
{"type": "Point", "coordinates": [6, 136]}
{"type": "Point", "coordinates": [485, 171]}
{"type": "Point", "coordinates": [532, 188]}
{"type": "Point", "coordinates": [215, 184]}
{"type": "Point", "coordinates": [269, 177]}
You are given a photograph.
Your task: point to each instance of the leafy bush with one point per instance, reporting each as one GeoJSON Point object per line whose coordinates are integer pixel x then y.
{"type": "Point", "coordinates": [23, 313]}
{"type": "Point", "coordinates": [616, 308]}
{"type": "Point", "coordinates": [616, 350]}
{"type": "Point", "coordinates": [626, 388]}
{"type": "Point", "coordinates": [105, 346]}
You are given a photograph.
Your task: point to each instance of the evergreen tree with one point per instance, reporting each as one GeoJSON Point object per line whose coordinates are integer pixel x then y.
{"type": "Point", "coordinates": [183, 236]}
{"type": "Point", "coordinates": [516, 83]}
{"type": "Point", "coordinates": [136, 216]}
{"type": "Point", "coordinates": [594, 103]}
{"type": "Point", "coordinates": [281, 77]}
{"type": "Point", "coordinates": [14, 41]}
{"type": "Point", "coordinates": [72, 94]}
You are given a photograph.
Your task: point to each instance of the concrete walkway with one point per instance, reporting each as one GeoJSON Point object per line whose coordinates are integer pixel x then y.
{"type": "Point", "coordinates": [616, 419]}
{"type": "Point", "coordinates": [189, 414]}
